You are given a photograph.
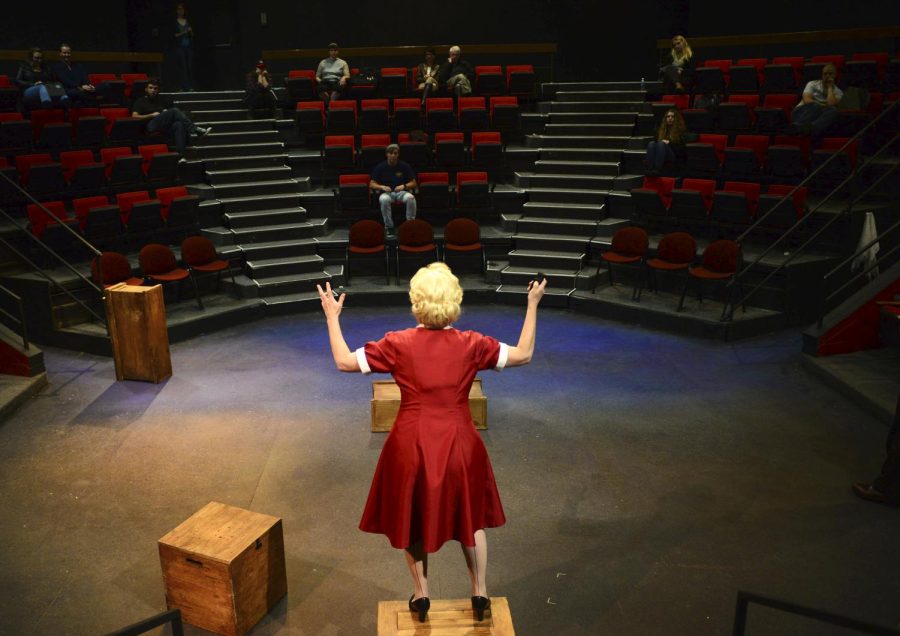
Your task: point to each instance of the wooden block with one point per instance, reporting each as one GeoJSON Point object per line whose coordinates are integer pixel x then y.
{"type": "Point", "coordinates": [137, 328]}
{"type": "Point", "coordinates": [224, 568]}
{"type": "Point", "coordinates": [452, 617]}
{"type": "Point", "coordinates": [386, 405]}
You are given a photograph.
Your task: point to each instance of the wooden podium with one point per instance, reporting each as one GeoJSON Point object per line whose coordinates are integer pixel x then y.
{"type": "Point", "coordinates": [386, 405]}
{"type": "Point", "coordinates": [137, 328]}
{"type": "Point", "coordinates": [451, 617]}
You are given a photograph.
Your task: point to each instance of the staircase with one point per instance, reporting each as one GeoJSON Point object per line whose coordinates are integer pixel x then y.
{"type": "Point", "coordinates": [246, 174]}
{"type": "Point", "coordinates": [588, 126]}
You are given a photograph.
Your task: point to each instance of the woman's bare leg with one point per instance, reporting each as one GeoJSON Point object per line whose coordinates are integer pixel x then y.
{"type": "Point", "coordinates": [476, 561]}
{"type": "Point", "coordinates": [417, 561]}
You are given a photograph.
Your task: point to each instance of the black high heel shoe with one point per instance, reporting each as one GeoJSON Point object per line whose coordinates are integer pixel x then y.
{"type": "Point", "coordinates": [479, 604]}
{"type": "Point", "coordinates": [420, 606]}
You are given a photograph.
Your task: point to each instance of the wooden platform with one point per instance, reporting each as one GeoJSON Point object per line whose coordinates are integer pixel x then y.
{"type": "Point", "coordinates": [451, 617]}
{"type": "Point", "coordinates": [386, 404]}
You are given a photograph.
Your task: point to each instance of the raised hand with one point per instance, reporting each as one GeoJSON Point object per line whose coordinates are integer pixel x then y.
{"type": "Point", "coordinates": [330, 306]}
{"type": "Point", "coordinates": [536, 291]}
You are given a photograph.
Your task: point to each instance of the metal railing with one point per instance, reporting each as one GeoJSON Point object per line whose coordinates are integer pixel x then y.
{"type": "Point", "coordinates": [788, 198]}
{"type": "Point", "coordinates": [18, 318]}
{"type": "Point", "coordinates": [47, 249]}
{"type": "Point", "coordinates": [745, 598]}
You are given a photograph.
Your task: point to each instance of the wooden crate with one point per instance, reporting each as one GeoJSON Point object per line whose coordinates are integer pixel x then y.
{"type": "Point", "coordinates": [452, 617]}
{"type": "Point", "coordinates": [386, 405]}
{"type": "Point", "coordinates": [137, 328]}
{"type": "Point", "coordinates": [224, 568]}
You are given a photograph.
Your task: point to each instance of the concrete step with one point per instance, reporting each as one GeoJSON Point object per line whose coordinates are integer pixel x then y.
{"type": "Point", "coordinates": [555, 243]}
{"type": "Point", "coordinates": [606, 142]}
{"type": "Point", "coordinates": [597, 168]}
{"type": "Point", "coordinates": [291, 284]}
{"type": "Point", "coordinates": [267, 174]}
{"type": "Point", "coordinates": [573, 182]}
{"type": "Point", "coordinates": [216, 138]}
{"type": "Point", "coordinates": [557, 279]}
{"type": "Point", "coordinates": [584, 212]}
{"type": "Point", "coordinates": [559, 195]}
{"type": "Point", "coordinates": [266, 269]}
{"type": "Point", "coordinates": [621, 130]}
{"type": "Point", "coordinates": [204, 95]}
{"type": "Point", "coordinates": [544, 260]}
{"type": "Point", "coordinates": [202, 117]}
{"type": "Point", "coordinates": [590, 107]}
{"type": "Point", "coordinates": [247, 204]}
{"type": "Point", "coordinates": [211, 152]}
{"type": "Point", "coordinates": [592, 118]}
{"type": "Point", "coordinates": [256, 218]}
{"type": "Point", "coordinates": [566, 227]}
{"type": "Point", "coordinates": [269, 233]}
{"type": "Point", "coordinates": [600, 96]}
{"type": "Point", "coordinates": [279, 249]}
{"type": "Point", "coordinates": [245, 162]}
{"type": "Point", "coordinates": [241, 125]}
{"type": "Point", "coordinates": [286, 304]}
{"type": "Point", "coordinates": [191, 104]}
{"type": "Point", "coordinates": [612, 155]}
{"type": "Point", "coordinates": [262, 189]}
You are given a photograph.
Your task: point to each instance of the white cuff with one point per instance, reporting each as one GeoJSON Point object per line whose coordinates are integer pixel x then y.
{"type": "Point", "coordinates": [503, 357]}
{"type": "Point", "coordinates": [361, 360]}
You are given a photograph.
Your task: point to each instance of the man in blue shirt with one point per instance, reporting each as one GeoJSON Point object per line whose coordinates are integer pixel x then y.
{"type": "Point", "coordinates": [394, 179]}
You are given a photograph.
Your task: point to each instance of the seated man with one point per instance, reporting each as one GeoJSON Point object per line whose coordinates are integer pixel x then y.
{"type": "Point", "coordinates": [456, 74]}
{"type": "Point", "coordinates": [73, 77]}
{"type": "Point", "coordinates": [332, 75]}
{"type": "Point", "coordinates": [817, 109]}
{"type": "Point", "coordinates": [164, 118]}
{"type": "Point", "coordinates": [394, 179]}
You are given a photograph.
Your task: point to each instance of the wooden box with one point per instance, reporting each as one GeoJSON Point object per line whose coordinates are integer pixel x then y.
{"type": "Point", "coordinates": [224, 568]}
{"type": "Point", "coordinates": [137, 328]}
{"type": "Point", "coordinates": [386, 405]}
{"type": "Point", "coordinates": [452, 617]}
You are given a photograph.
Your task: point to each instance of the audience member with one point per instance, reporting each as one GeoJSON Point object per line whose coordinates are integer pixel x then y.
{"type": "Point", "coordinates": [426, 73]}
{"type": "Point", "coordinates": [184, 47]}
{"type": "Point", "coordinates": [73, 77]}
{"type": "Point", "coordinates": [332, 75]}
{"type": "Point", "coordinates": [669, 145]}
{"type": "Point", "coordinates": [885, 488]}
{"type": "Point", "coordinates": [37, 82]}
{"type": "Point", "coordinates": [260, 95]}
{"type": "Point", "coordinates": [456, 74]}
{"type": "Point", "coordinates": [817, 109]}
{"type": "Point", "coordinates": [164, 118]}
{"type": "Point", "coordinates": [678, 75]}
{"type": "Point", "coordinates": [394, 179]}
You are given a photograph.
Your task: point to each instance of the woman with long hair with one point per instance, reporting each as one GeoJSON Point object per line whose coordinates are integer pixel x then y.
{"type": "Point", "coordinates": [34, 78]}
{"type": "Point", "coordinates": [678, 74]}
{"type": "Point", "coordinates": [434, 480]}
{"type": "Point", "coordinates": [669, 145]}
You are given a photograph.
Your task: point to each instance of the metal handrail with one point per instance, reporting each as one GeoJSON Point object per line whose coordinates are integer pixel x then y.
{"type": "Point", "coordinates": [20, 319]}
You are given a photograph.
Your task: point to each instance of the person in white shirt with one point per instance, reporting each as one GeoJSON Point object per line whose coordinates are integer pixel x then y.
{"type": "Point", "coordinates": [817, 109]}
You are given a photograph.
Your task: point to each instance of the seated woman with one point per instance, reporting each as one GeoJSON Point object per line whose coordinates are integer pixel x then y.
{"type": "Point", "coordinates": [678, 75]}
{"type": "Point", "coordinates": [37, 82]}
{"type": "Point", "coordinates": [259, 95]}
{"type": "Point", "coordinates": [669, 146]}
{"type": "Point", "coordinates": [426, 73]}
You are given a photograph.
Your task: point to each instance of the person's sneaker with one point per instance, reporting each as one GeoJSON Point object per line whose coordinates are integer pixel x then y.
{"type": "Point", "coordinates": [182, 161]}
{"type": "Point", "coordinates": [389, 232]}
{"type": "Point", "coordinates": [203, 132]}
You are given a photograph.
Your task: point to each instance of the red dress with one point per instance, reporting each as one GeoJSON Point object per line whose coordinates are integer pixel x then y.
{"type": "Point", "coordinates": [434, 480]}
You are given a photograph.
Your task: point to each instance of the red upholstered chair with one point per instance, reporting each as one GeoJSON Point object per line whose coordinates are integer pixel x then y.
{"type": "Point", "coordinates": [776, 213]}
{"type": "Point", "coordinates": [629, 246]}
{"type": "Point", "coordinates": [310, 117]}
{"type": "Point", "coordinates": [26, 163]}
{"type": "Point", "coordinates": [40, 174]}
{"type": "Point", "coordinates": [374, 116]}
{"type": "Point", "coordinates": [721, 260]}
{"type": "Point", "coordinates": [668, 102]}
{"type": "Point", "coordinates": [675, 253]}
{"type": "Point", "coordinates": [775, 112]}
{"type": "Point", "coordinates": [126, 201]}
{"type": "Point", "coordinates": [366, 242]}
{"type": "Point", "coordinates": [439, 114]}
{"type": "Point", "coordinates": [520, 79]}
{"type": "Point", "coordinates": [301, 84]}
{"type": "Point", "coordinates": [746, 157]}
{"type": "Point", "coordinates": [488, 80]}
{"type": "Point", "coordinates": [159, 163]}
{"type": "Point", "coordinates": [158, 263]}
{"type": "Point", "coordinates": [393, 82]}
{"type": "Point", "coordinates": [100, 222]}
{"type": "Point", "coordinates": [339, 153]}
{"type": "Point", "coordinates": [504, 112]}
{"type": "Point", "coordinates": [130, 79]}
{"type": "Point", "coordinates": [473, 190]}
{"type": "Point", "coordinates": [51, 130]}
{"type": "Point", "coordinates": [199, 254]}
{"type": "Point", "coordinates": [844, 161]}
{"type": "Point", "coordinates": [353, 193]}
{"type": "Point", "coordinates": [408, 114]}
{"type": "Point", "coordinates": [88, 127]}
{"type": "Point", "coordinates": [462, 241]}
{"type": "Point", "coordinates": [15, 131]}
{"type": "Point", "coordinates": [705, 156]}
{"type": "Point", "coordinates": [472, 112]}
{"type": "Point", "coordinates": [652, 199]}
{"type": "Point", "coordinates": [415, 241]}
{"type": "Point", "coordinates": [734, 206]}
{"type": "Point", "coordinates": [449, 149]}
{"type": "Point", "coordinates": [372, 150]}
{"type": "Point", "coordinates": [783, 74]}
{"type": "Point", "coordinates": [112, 268]}
{"type": "Point", "coordinates": [82, 171]}
{"type": "Point", "coordinates": [39, 220]}
{"type": "Point", "coordinates": [712, 77]}
{"type": "Point", "coordinates": [181, 212]}
{"type": "Point", "coordinates": [738, 112]}
{"type": "Point", "coordinates": [341, 116]}
{"type": "Point", "coordinates": [692, 202]}
{"type": "Point", "coordinates": [788, 157]}
{"type": "Point", "coordinates": [746, 75]}
{"type": "Point", "coordinates": [415, 153]}
{"type": "Point", "coordinates": [433, 191]}
{"type": "Point", "coordinates": [487, 150]}
{"type": "Point", "coordinates": [123, 167]}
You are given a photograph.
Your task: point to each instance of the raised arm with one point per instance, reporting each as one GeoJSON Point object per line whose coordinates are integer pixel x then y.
{"type": "Point", "coordinates": [344, 359]}
{"type": "Point", "coordinates": [522, 352]}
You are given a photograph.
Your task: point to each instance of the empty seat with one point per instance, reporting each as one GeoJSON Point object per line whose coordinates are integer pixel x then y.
{"type": "Point", "coordinates": [159, 163]}
{"type": "Point", "coordinates": [51, 130]}
{"type": "Point", "coordinates": [339, 153]}
{"type": "Point", "coordinates": [393, 82]}
{"type": "Point", "coordinates": [775, 211]}
{"type": "Point", "coordinates": [834, 161]}
{"type": "Point", "coordinates": [520, 79]}
{"type": "Point", "coordinates": [473, 113]}
{"type": "Point", "coordinates": [180, 211]}
{"type": "Point", "coordinates": [15, 132]}
{"type": "Point", "coordinates": [488, 80]}
{"type": "Point", "coordinates": [100, 222]}
{"type": "Point", "coordinates": [372, 150]}
{"type": "Point", "coordinates": [449, 149]}
{"type": "Point", "coordinates": [158, 263]}
{"type": "Point", "coordinates": [720, 262]}
{"type": "Point", "coordinates": [45, 214]}
{"type": "Point", "coordinates": [788, 157]}
{"type": "Point", "coordinates": [112, 268]}
{"type": "Point", "coordinates": [123, 167]}
{"type": "Point", "coordinates": [39, 174]}
{"type": "Point", "coordinates": [374, 115]}
{"type": "Point", "coordinates": [738, 112]}
{"type": "Point", "coordinates": [783, 74]}
{"type": "Point", "coordinates": [353, 193]}
{"type": "Point", "coordinates": [706, 154]}
{"type": "Point", "coordinates": [341, 116]}
{"type": "Point", "coordinates": [407, 114]}
{"type": "Point", "coordinates": [462, 243]}
{"type": "Point", "coordinates": [651, 201]}
{"type": "Point", "coordinates": [473, 190]}
{"type": "Point", "coordinates": [504, 113]}
{"type": "Point", "coordinates": [433, 191]}
{"type": "Point", "coordinates": [692, 202]}
{"type": "Point", "coordinates": [366, 241]}
{"type": "Point", "coordinates": [439, 115]}
{"type": "Point", "coordinates": [89, 127]}
{"type": "Point", "coordinates": [130, 79]}
{"type": "Point", "coordinates": [310, 117]}
{"type": "Point", "coordinates": [746, 75]}
{"type": "Point", "coordinates": [746, 156]}
{"type": "Point", "coordinates": [142, 217]}
{"type": "Point", "coordinates": [415, 241]}
{"type": "Point", "coordinates": [82, 171]}
{"type": "Point", "coordinates": [712, 77]}
{"type": "Point", "coordinates": [301, 85]}
{"type": "Point", "coordinates": [413, 152]}
{"type": "Point", "coordinates": [199, 254]}
{"type": "Point", "coordinates": [735, 204]}
{"type": "Point", "coordinates": [487, 150]}
{"type": "Point", "coordinates": [775, 112]}
{"type": "Point", "coordinates": [628, 248]}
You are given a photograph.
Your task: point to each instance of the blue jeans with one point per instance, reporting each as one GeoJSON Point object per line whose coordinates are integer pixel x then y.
{"type": "Point", "coordinates": [38, 96]}
{"type": "Point", "coordinates": [658, 153]}
{"type": "Point", "coordinates": [818, 117]}
{"type": "Point", "coordinates": [385, 199]}
{"type": "Point", "coordinates": [174, 121]}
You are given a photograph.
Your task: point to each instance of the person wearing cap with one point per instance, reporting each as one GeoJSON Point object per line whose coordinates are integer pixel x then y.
{"type": "Point", "coordinates": [332, 75]}
{"type": "Point", "coordinates": [260, 95]}
{"type": "Point", "coordinates": [394, 181]}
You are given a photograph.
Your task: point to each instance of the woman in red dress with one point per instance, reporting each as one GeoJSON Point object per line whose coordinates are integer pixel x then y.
{"type": "Point", "coordinates": [434, 480]}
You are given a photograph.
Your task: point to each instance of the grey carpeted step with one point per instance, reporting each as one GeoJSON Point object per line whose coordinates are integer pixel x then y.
{"type": "Point", "coordinates": [210, 152]}
{"type": "Point", "coordinates": [267, 173]}
{"type": "Point", "coordinates": [207, 117]}
{"type": "Point", "coordinates": [590, 107]}
{"type": "Point", "coordinates": [242, 125]}
{"type": "Point", "coordinates": [544, 260]}
{"type": "Point", "coordinates": [265, 269]}
{"type": "Point", "coordinates": [564, 181]}
{"type": "Point", "coordinates": [192, 104]}
{"type": "Point", "coordinates": [558, 195]}
{"type": "Point", "coordinates": [584, 212]}
{"type": "Point", "coordinates": [592, 118]}
{"type": "Point", "coordinates": [292, 284]}
{"type": "Point", "coordinates": [557, 279]}
{"type": "Point", "coordinates": [598, 168]}
{"type": "Point", "coordinates": [285, 304]}
{"type": "Point", "coordinates": [605, 142]}
{"type": "Point", "coordinates": [268, 233]}
{"type": "Point", "coordinates": [262, 189]}
{"type": "Point", "coordinates": [581, 154]}
{"type": "Point", "coordinates": [246, 204]}
{"type": "Point", "coordinates": [216, 138]}
{"type": "Point", "coordinates": [599, 96]}
{"type": "Point", "coordinates": [557, 243]}
{"type": "Point", "coordinates": [205, 95]}
{"type": "Point", "coordinates": [619, 130]}
{"type": "Point", "coordinates": [246, 162]}
{"type": "Point", "coordinates": [567, 227]}
{"type": "Point", "coordinates": [279, 249]}
{"type": "Point", "coordinates": [255, 218]}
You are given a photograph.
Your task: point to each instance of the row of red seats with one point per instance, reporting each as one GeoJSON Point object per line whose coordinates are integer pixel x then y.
{"type": "Point", "coordinates": [82, 170]}
{"type": "Point", "coordinates": [116, 90]}
{"type": "Point", "coordinates": [132, 217]}
{"type": "Point", "coordinates": [56, 129]}
{"type": "Point", "coordinates": [406, 114]}
{"type": "Point", "coordinates": [519, 79]}
{"type": "Point", "coordinates": [433, 191]}
{"type": "Point", "coordinates": [736, 204]}
{"type": "Point", "coordinates": [868, 70]}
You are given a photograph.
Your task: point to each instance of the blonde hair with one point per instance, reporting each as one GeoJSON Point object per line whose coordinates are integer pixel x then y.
{"type": "Point", "coordinates": [686, 52]}
{"type": "Point", "coordinates": [435, 295]}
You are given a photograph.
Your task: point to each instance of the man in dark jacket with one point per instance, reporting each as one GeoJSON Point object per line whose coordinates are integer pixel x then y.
{"type": "Point", "coordinates": [164, 118]}
{"type": "Point", "coordinates": [456, 74]}
{"type": "Point", "coordinates": [73, 77]}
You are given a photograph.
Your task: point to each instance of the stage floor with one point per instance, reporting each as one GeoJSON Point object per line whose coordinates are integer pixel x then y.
{"type": "Point", "coordinates": [646, 478]}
